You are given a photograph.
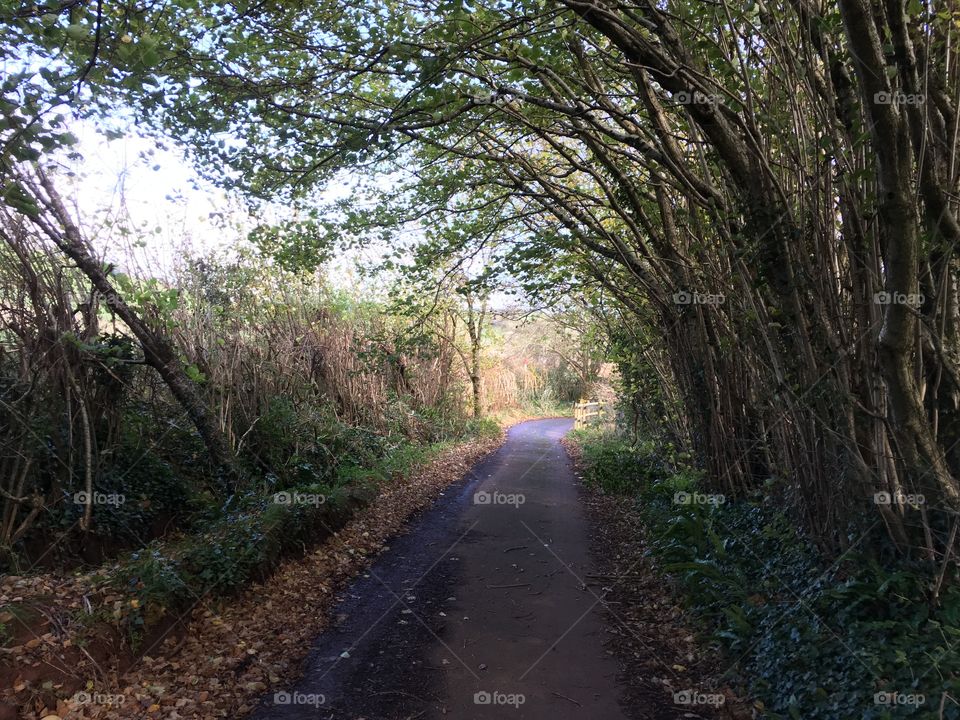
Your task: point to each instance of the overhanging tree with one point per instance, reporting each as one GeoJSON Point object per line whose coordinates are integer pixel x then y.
{"type": "Point", "coordinates": [765, 154]}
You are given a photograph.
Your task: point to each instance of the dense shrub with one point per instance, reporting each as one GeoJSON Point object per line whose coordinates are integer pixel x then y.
{"type": "Point", "coordinates": [812, 640]}
{"type": "Point", "coordinates": [308, 385]}
{"type": "Point", "coordinates": [617, 465]}
{"type": "Point", "coordinates": [242, 546]}
{"type": "Point", "coordinates": [147, 495]}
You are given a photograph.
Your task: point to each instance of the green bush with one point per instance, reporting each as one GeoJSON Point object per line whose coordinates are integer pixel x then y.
{"type": "Point", "coordinates": [240, 547]}
{"type": "Point", "coordinates": [483, 427]}
{"type": "Point", "coordinates": [138, 490]}
{"type": "Point", "coordinates": [618, 466]}
{"type": "Point", "coordinates": [151, 577]}
{"type": "Point", "coordinates": [811, 639]}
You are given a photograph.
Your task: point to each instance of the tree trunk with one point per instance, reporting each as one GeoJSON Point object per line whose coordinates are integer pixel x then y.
{"type": "Point", "coordinates": [475, 322]}
{"type": "Point", "coordinates": [158, 351]}
{"type": "Point", "coordinates": [890, 128]}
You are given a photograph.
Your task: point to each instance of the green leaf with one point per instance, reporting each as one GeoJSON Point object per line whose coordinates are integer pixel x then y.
{"type": "Point", "coordinates": [193, 372]}
{"type": "Point", "coordinates": [19, 199]}
{"type": "Point", "coordinates": [77, 31]}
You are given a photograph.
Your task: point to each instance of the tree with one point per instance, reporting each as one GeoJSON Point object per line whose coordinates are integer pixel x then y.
{"type": "Point", "coordinates": [739, 178]}
{"type": "Point", "coordinates": [437, 290]}
{"type": "Point", "coordinates": [45, 208]}
{"type": "Point", "coordinates": [475, 320]}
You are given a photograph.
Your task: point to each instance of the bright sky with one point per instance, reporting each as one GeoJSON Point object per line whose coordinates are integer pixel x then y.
{"type": "Point", "coordinates": [146, 208]}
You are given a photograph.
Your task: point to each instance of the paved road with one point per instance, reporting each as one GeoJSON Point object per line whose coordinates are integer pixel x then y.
{"type": "Point", "coordinates": [478, 611]}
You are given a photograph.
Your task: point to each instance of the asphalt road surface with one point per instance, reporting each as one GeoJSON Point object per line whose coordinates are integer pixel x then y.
{"type": "Point", "coordinates": [480, 610]}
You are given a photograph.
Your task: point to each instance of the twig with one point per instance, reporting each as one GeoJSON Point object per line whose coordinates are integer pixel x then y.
{"type": "Point", "coordinates": [614, 576]}
{"type": "Point", "coordinates": [935, 597]}
{"type": "Point", "coordinates": [566, 698]}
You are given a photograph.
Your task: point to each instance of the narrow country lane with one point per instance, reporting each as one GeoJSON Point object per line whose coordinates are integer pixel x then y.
{"type": "Point", "coordinates": [479, 611]}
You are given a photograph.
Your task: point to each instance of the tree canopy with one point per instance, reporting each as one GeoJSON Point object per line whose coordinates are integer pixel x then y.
{"type": "Point", "coordinates": [771, 186]}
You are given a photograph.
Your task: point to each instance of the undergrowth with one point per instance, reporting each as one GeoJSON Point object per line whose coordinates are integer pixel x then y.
{"type": "Point", "coordinates": [244, 540]}
{"type": "Point", "coordinates": [808, 637]}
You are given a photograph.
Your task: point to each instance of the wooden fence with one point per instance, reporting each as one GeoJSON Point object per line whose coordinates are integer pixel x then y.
{"type": "Point", "coordinates": [586, 410]}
